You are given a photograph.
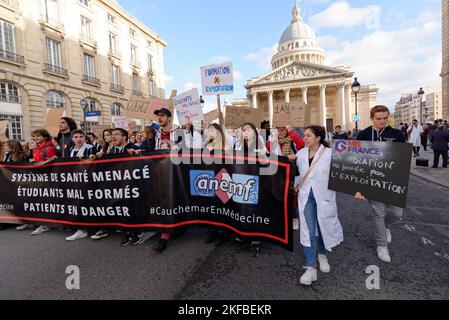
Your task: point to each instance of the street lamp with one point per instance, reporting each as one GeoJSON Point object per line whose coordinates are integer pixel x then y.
{"type": "Point", "coordinates": [356, 89]}
{"type": "Point", "coordinates": [421, 94]}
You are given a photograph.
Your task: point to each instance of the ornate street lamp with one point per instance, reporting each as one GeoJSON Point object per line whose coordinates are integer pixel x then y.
{"type": "Point", "coordinates": [421, 94]}
{"type": "Point", "coordinates": [356, 89]}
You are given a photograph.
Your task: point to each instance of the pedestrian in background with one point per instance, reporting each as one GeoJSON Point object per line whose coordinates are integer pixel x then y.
{"type": "Point", "coordinates": [440, 140]}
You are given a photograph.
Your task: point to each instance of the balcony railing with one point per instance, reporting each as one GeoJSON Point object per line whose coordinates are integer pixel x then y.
{"type": "Point", "coordinates": [11, 56]}
{"type": "Point", "coordinates": [115, 53]}
{"type": "Point", "coordinates": [53, 23]}
{"type": "Point", "coordinates": [10, 3]}
{"type": "Point", "coordinates": [137, 93]}
{"type": "Point", "coordinates": [91, 80]}
{"type": "Point", "coordinates": [117, 88]}
{"type": "Point", "coordinates": [56, 70]}
{"type": "Point", "coordinates": [150, 72]}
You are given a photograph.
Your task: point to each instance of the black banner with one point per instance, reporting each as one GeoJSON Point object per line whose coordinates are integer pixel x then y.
{"type": "Point", "coordinates": [152, 192]}
{"type": "Point", "coordinates": [379, 170]}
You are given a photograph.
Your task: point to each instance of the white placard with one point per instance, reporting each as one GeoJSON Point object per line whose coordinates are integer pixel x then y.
{"type": "Point", "coordinates": [217, 79]}
{"type": "Point", "coordinates": [188, 107]}
{"type": "Point", "coordinates": [120, 122]}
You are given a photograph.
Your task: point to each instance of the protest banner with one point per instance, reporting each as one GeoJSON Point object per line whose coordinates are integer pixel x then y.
{"type": "Point", "coordinates": [130, 194]}
{"type": "Point", "coordinates": [132, 125]}
{"type": "Point", "coordinates": [52, 120]}
{"type": "Point", "coordinates": [188, 107]}
{"type": "Point", "coordinates": [3, 128]}
{"type": "Point", "coordinates": [289, 114]}
{"type": "Point", "coordinates": [120, 122]}
{"type": "Point", "coordinates": [378, 170]}
{"type": "Point", "coordinates": [217, 79]}
{"type": "Point", "coordinates": [238, 116]}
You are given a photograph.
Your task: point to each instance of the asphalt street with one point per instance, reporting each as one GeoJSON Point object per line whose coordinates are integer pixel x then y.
{"type": "Point", "coordinates": [190, 269]}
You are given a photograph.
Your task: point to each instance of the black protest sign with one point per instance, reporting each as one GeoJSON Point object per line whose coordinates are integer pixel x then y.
{"type": "Point", "coordinates": [152, 192]}
{"type": "Point", "coordinates": [378, 170]}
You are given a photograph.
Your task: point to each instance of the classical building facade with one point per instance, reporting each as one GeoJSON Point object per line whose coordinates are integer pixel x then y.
{"type": "Point", "coordinates": [445, 70]}
{"type": "Point", "coordinates": [80, 55]}
{"type": "Point", "coordinates": [300, 76]}
{"type": "Point", "coordinates": [408, 107]}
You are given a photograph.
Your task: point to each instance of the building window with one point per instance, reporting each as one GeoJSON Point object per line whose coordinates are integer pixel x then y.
{"type": "Point", "coordinates": [136, 84]}
{"type": "Point", "coordinates": [134, 57]}
{"type": "Point", "coordinates": [86, 28]}
{"type": "Point", "coordinates": [150, 63]}
{"type": "Point", "coordinates": [116, 110]}
{"type": "Point", "coordinates": [112, 19]}
{"type": "Point", "coordinates": [54, 100]}
{"type": "Point", "coordinates": [152, 89]}
{"type": "Point", "coordinates": [297, 45]}
{"type": "Point", "coordinates": [14, 129]}
{"type": "Point", "coordinates": [53, 52]}
{"type": "Point", "coordinates": [115, 75]}
{"type": "Point", "coordinates": [149, 43]}
{"type": "Point", "coordinates": [112, 43]}
{"type": "Point", "coordinates": [9, 93]}
{"type": "Point", "coordinates": [132, 32]}
{"type": "Point", "coordinates": [84, 2]}
{"type": "Point", "coordinates": [7, 45]}
{"type": "Point", "coordinates": [89, 65]}
{"type": "Point", "coordinates": [88, 105]}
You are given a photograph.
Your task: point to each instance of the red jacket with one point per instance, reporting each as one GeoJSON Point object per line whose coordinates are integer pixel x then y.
{"type": "Point", "coordinates": [50, 152]}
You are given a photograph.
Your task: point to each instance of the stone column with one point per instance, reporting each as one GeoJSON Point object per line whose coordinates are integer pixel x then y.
{"type": "Point", "coordinates": [342, 104]}
{"type": "Point", "coordinates": [270, 106]}
{"type": "Point", "coordinates": [287, 95]}
{"type": "Point", "coordinates": [254, 100]}
{"type": "Point", "coordinates": [348, 108]}
{"type": "Point", "coordinates": [323, 109]}
{"type": "Point", "coordinates": [304, 94]}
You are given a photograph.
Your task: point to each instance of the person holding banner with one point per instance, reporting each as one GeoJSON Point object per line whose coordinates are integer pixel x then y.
{"type": "Point", "coordinates": [383, 215]}
{"type": "Point", "coordinates": [166, 139]}
{"type": "Point", "coordinates": [45, 151]}
{"type": "Point", "coordinates": [64, 139]}
{"type": "Point", "coordinates": [191, 139]}
{"type": "Point", "coordinates": [320, 228]}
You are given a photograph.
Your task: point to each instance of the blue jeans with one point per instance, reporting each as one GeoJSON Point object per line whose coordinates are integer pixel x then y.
{"type": "Point", "coordinates": [311, 253]}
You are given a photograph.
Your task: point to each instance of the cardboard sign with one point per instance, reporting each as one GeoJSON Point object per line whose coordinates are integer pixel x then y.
{"type": "Point", "coordinates": [132, 125]}
{"type": "Point", "coordinates": [120, 122]}
{"type": "Point", "coordinates": [52, 121]}
{"type": "Point", "coordinates": [210, 117]}
{"type": "Point", "coordinates": [378, 170]}
{"type": "Point", "coordinates": [188, 107]}
{"type": "Point", "coordinates": [217, 79]}
{"type": "Point", "coordinates": [237, 117]}
{"type": "Point", "coordinates": [289, 114]}
{"type": "Point", "coordinates": [143, 108]}
{"type": "Point", "coordinates": [3, 128]}
{"type": "Point", "coordinates": [98, 131]}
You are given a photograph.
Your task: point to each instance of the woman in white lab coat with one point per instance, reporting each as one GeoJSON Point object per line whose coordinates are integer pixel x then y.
{"type": "Point", "coordinates": [320, 227]}
{"type": "Point", "coordinates": [415, 131]}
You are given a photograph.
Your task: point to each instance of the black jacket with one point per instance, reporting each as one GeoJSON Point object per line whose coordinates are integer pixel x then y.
{"type": "Point", "coordinates": [389, 134]}
{"type": "Point", "coordinates": [129, 146]}
{"type": "Point", "coordinates": [65, 143]}
{"type": "Point", "coordinates": [148, 145]}
{"type": "Point", "coordinates": [341, 136]}
{"type": "Point", "coordinates": [440, 139]}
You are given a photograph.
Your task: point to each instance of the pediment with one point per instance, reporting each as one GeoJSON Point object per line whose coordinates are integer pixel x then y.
{"type": "Point", "coordinates": [297, 70]}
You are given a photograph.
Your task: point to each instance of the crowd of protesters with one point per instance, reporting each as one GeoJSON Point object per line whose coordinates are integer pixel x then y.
{"type": "Point", "coordinates": [315, 213]}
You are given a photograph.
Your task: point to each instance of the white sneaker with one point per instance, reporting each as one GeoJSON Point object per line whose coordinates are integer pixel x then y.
{"type": "Point", "coordinates": [23, 227]}
{"type": "Point", "coordinates": [309, 277]}
{"type": "Point", "coordinates": [324, 264]}
{"type": "Point", "coordinates": [384, 254]}
{"type": "Point", "coordinates": [40, 230]}
{"type": "Point", "coordinates": [296, 224]}
{"type": "Point", "coordinates": [100, 235]}
{"type": "Point", "coordinates": [390, 239]}
{"type": "Point", "coordinates": [80, 234]}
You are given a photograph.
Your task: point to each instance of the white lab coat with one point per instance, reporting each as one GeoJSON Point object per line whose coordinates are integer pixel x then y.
{"type": "Point", "coordinates": [415, 135]}
{"type": "Point", "coordinates": [194, 142]}
{"type": "Point", "coordinates": [327, 212]}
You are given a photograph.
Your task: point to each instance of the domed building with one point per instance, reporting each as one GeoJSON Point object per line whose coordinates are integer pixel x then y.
{"type": "Point", "coordinates": [300, 80]}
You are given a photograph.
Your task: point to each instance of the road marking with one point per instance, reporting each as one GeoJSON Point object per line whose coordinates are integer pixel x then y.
{"type": "Point", "coordinates": [427, 242]}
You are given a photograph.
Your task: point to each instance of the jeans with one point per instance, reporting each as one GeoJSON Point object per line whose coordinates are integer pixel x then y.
{"type": "Point", "coordinates": [383, 217]}
{"type": "Point", "coordinates": [311, 215]}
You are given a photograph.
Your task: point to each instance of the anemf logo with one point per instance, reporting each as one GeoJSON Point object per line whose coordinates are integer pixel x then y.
{"type": "Point", "coordinates": [240, 188]}
{"type": "Point", "coordinates": [341, 146]}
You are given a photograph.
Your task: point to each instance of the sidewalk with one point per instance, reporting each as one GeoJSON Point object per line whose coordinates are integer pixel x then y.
{"type": "Point", "coordinates": [439, 176]}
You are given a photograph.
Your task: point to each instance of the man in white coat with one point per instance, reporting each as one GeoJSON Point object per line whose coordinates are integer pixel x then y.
{"type": "Point", "coordinates": [415, 131]}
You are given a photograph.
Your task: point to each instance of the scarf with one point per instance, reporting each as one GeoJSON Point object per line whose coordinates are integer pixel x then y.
{"type": "Point", "coordinates": [286, 146]}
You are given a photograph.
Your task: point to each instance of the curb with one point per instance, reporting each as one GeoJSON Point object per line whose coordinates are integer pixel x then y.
{"type": "Point", "coordinates": [428, 178]}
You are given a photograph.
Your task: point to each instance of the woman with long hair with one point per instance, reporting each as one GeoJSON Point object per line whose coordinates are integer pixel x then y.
{"type": "Point", "coordinates": [14, 152]}
{"type": "Point", "coordinates": [320, 228]}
